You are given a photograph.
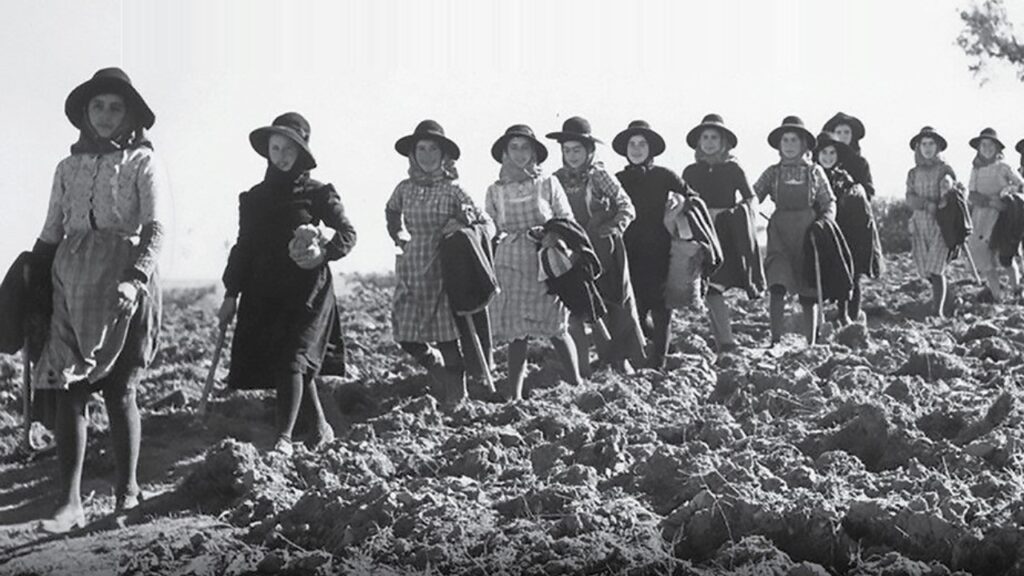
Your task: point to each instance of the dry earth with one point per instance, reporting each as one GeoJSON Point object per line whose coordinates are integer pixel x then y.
{"type": "Point", "coordinates": [892, 449]}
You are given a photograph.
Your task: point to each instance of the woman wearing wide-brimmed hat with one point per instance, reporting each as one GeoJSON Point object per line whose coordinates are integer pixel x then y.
{"type": "Point", "coordinates": [718, 178]}
{"type": "Point", "coordinates": [278, 267]}
{"type": "Point", "coordinates": [850, 131]}
{"type": "Point", "coordinates": [854, 217]}
{"type": "Point", "coordinates": [927, 182]}
{"type": "Point", "coordinates": [801, 194]}
{"type": "Point", "coordinates": [520, 202]}
{"type": "Point", "coordinates": [602, 207]}
{"type": "Point", "coordinates": [424, 207]}
{"type": "Point", "coordinates": [991, 180]}
{"type": "Point", "coordinates": [100, 244]}
{"type": "Point", "coordinates": [647, 240]}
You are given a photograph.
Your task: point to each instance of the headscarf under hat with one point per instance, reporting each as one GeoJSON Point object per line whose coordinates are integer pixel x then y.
{"type": "Point", "coordinates": [128, 136]}
{"type": "Point", "coordinates": [445, 171]}
{"type": "Point", "coordinates": [573, 178]}
{"type": "Point", "coordinates": [512, 173]}
{"type": "Point", "coordinates": [723, 155]}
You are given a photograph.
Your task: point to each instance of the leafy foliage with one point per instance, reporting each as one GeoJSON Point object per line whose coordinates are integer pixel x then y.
{"type": "Point", "coordinates": [989, 35]}
{"type": "Point", "coordinates": [892, 217]}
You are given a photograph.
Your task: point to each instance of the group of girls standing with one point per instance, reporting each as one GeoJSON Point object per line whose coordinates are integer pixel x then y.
{"type": "Point", "coordinates": [625, 219]}
{"type": "Point", "coordinates": [992, 185]}
{"type": "Point", "coordinates": [102, 235]}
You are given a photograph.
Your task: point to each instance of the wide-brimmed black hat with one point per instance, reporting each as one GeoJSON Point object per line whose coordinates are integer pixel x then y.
{"type": "Point", "coordinates": [791, 124]}
{"type": "Point", "coordinates": [826, 139]}
{"type": "Point", "coordinates": [108, 81]}
{"type": "Point", "coordinates": [710, 121]}
{"type": "Point", "coordinates": [523, 131]}
{"type": "Point", "coordinates": [639, 127]}
{"type": "Point", "coordinates": [291, 125]}
{"type": "Point", "coordinates": [856, 126]}
{"type": "Point", "coordinates": [427, 130]}
{"type": "Point", "coordinates": [576, 129]}
{"type": "Point", "coordinates": [989, 133]}
{"type": "Point", "coordinates": [928, 132]}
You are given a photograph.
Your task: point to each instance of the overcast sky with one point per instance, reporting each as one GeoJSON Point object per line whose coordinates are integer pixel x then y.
{"type": "Point", "coordinates": [365, 72]}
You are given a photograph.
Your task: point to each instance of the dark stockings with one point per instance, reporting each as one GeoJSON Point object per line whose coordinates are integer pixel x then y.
{"type": "Point", "coordinates": [849, 310]}
{"type": "Point", "coordinates": [662, 319]}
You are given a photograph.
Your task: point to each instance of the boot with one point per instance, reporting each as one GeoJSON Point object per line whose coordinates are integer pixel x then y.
{"type": "Point", "coordinates": [439, 382]}
{"type": "Point", "coordinates": [777, 315]}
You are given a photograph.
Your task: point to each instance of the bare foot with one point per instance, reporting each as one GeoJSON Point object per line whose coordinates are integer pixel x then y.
{"type": "Point", "coordinates": [65, 520]}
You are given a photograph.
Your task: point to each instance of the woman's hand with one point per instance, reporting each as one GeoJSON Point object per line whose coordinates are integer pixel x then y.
{"type": "Point", "coordinates": [997, 203]}
{"type": "Point", "coordinates": [550, 240]}
{"type": "Point", "coordinates": [127, 294]}
{"type": "Point", "coordinates": [674, 202]}
{"type": "Point", "coordinates": [451, 226]}
{"type": "Point", "coordinates": [227, 310]}
{"type": "Point", "coordinates": [306, 250]}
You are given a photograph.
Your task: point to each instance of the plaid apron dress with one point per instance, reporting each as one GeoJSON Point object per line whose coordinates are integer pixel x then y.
{"type": "Point", "coordinates": [926, 242]}
{"type": "Point", "coordinates": [523, 308]}
{"type": "Point", "coordinates": [420, 310]}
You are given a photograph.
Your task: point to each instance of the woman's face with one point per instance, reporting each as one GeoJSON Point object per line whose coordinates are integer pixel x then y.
{"type": "Point", "coordinates": [710, 141]}
{"type": "Point", "coordinates": [928, 147]}
{"type": "Point", "coordinates": [520, 151]}
{"type": "Point", "coordinates": [428, 155]}
{"type": "Point", "coordinates": [637, 149]}
{"type": "Point", "coordinates": [791, 145]}
{"type": "Point", "coordinates": [574, 153]}
{"type": "Point", "coordinates": [282, 151]}
{"type": "Point", "coordinates": [987, 148]}
{"type": "Point", "coordinates": [828, 156]}
{"type": "Point", "coordinates": [843, 133]}
{"type": "Point", "coordinates": [106, 113]}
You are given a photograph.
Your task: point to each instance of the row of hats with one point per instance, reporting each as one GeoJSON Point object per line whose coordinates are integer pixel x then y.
{"type": "Point", "coordinates": [297, 129]}
{"type": "Point", "coordinates": [578, 129]}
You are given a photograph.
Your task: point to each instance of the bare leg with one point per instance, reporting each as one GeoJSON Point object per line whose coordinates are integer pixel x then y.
{"type": "Point", "coordinates": [289, 400]}
{"type": "Point", "coordinates": [854, 307]}
{"type": "Point", "coordinates": [718, 314]}
{"type": "Point", "coordinates": [323, 434]}
{"type": "Point", "coordinates": [938, 295]}
{"type": "Point", "coordinates": [71, 432]}
{"type": "Point", "coordinates": [125, 432]}
{"type": "Point", "coordinates": [516, 369]}
{"type": "Point", "coordinates": [579, 336]}
{"type": "Point", "coordinates": [810, 321]}
{"type": "Point", "coordinates": [566, 350]}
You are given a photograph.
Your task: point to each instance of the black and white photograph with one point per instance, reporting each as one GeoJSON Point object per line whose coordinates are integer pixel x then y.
{"type": "Point", "coordinates": [521, 287]}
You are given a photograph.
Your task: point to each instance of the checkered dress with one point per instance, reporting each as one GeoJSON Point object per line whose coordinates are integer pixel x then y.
{"type": "Point", "coordinates": [420, 311]}
{"type": "Point", "coordinates": [98, 205]}
{"type": "Point", "coordinates": [926, 242]}
{"type": "Point", "coordinates": [989, 181]}
{"type": "Point", "coordinates": [523, 308]}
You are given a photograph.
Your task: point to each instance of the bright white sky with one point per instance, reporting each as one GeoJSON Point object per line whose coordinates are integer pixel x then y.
{"type": "Point", "coordinates": [365, 72]}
